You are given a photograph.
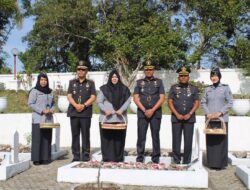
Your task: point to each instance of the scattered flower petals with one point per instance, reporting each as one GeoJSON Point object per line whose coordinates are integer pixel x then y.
{"type": "Point", "coordinates": [131, 165]}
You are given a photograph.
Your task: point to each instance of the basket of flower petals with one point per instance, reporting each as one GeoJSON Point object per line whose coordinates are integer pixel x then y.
{"type": "Point", "coordinates": [115, 126]}
{"type": "Point", "coordinates": [215, 126]}
{"type": "Point", "coordinates": [49, 125]}
{"type": "Point", "coordinates": [45, 125]}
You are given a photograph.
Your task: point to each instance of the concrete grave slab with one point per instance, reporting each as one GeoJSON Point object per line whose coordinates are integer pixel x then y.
{"type": "Point", "coordinates": [195, 176]}
{"type": "Point", "coordinates": [8, 168]}
{"type": "Point", "coordinates": [233, 160]}
{"type": "Point", "coordinates": [243, 172]}
{"type": "Point", "coordinates": [77, 175]}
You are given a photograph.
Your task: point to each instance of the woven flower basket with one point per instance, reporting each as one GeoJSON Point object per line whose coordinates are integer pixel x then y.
{"type": "Point", "coordinates": [210, 129]}
{"type": "Point", "coordinates": [44, 125]}
{"type": "Point", "coordinates": [49, 125]}
{"type": "Point", "coordinates": [115, 126]}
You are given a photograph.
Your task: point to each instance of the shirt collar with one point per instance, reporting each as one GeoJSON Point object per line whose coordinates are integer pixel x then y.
{"type": "Point", "coordinates": [152, 79]}
{"type": "Point", "coordinates": [219, 85]}
{"type": "Point", "coordinates": [77, 80]}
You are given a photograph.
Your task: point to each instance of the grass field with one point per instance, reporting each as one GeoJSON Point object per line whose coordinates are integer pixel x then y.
{"type": "Point", "coordinates": [17, 103]}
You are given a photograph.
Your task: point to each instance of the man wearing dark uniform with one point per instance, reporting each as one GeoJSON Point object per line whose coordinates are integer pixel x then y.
{"type": "Point", "coordinates": [149, 95]}
{"type": "Point", "coordinates": [183, 101]}
{"type": "Point", "coordinates": [81, 95]}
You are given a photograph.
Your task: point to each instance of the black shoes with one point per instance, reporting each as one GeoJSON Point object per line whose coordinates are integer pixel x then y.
{"type": "Point", "coordinates": [42, 162]}
{"type": "Point", "coordinates": [36, 163]}
{"type": "Point", "coordinates": [75, 160]}
{"type": "Point", "coordinates": [155, 161]}
{"type": "Point", "coordinates": [140, 159]}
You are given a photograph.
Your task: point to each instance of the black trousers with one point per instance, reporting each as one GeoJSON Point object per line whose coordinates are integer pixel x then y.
{"type": "Point", "coordinates": [41, 143]}
{"type": "Point", "coordinates": [188, 129]}
{"type": "Point", "coordinates": [155, 124]}
{"type": "Point", "coordinates": [80, 125]}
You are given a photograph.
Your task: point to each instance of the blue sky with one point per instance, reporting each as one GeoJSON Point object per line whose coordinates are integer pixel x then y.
{"type": "Point", "coordinates": [15, 41]}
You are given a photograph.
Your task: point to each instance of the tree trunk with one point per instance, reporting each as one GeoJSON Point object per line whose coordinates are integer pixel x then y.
{"type": "Point", "coordinates": [127, 76]}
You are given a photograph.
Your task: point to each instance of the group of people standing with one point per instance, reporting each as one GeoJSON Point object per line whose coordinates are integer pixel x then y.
{"type": "Point", "coordinates": [114, 99]}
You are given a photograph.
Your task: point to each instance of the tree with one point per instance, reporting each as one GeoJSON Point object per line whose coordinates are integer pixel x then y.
{"type": "Point", "coordinates": [124, 33]}
{"type": "Point", "coordinates": [60, 27]}
{"type": "Point", "coordinates": [130, 32]}
{"type": "Point", "coordinates": [10, 15]}
{"type": "Point", "coordinates": [213, 29]}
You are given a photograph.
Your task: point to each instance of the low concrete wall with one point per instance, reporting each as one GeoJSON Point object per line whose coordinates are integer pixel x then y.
{"type": "Point", "coordinates": [239, 130]}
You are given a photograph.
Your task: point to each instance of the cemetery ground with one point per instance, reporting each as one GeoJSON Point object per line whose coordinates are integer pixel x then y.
{"type": "Point", "coordinates": [44, 177]}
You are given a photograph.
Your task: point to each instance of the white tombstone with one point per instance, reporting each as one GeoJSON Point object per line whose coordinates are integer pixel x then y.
{"type": "Point", "coordinates": [14, 147]}
{"type": "Point", "coordinates": [199, 151]}
{"type": "Point", "coordinates": [58, 139]}
{"type": "Point", "coordinates": [6, 160]}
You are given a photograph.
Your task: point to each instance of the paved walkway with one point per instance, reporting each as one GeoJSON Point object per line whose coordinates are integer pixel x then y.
{"type": "Point", "coordinates": [44, 178]}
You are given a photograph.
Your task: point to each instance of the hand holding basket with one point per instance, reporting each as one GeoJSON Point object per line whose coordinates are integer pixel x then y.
{"type": "Point", "coordinates": [115, 126]}
{"type": "Point", "coordinates": [50, 125]}
{"type": "Point", "coordinates": [213, 130]}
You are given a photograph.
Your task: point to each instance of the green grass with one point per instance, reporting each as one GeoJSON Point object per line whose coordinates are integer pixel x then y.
{"type": "Point", "coordinates": [17, 103]}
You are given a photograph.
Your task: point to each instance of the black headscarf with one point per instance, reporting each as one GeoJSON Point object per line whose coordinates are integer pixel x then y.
{"type": "Point", "coordinates": [46, 89]}
{"type": "Point", "coordinates": [116, 94]}
{"type": "Point", "coordinates": [216, 72]}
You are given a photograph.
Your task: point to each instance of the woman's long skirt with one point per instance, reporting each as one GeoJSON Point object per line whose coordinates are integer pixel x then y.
{"type": "Point", "coordinates": [217, 150]}
{"type": "Point", "coordinates": [41, 144]}
{"type": "Point", "coordinates": [112, 145]}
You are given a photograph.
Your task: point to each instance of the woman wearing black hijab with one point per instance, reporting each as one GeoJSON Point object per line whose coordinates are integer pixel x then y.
{"type": "Point", "coordinates": [113, 101]}
{"type": "Point", "coordinates": [41, 101]}
{"type": "Point", "coordinates": [216, 103]}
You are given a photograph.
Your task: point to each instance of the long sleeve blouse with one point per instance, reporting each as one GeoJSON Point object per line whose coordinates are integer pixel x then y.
{"type": "Point", "coordinates": [217, 99]}
{"type": "Point", "coordinates": [38, 101]}
{"type": "Point", "coordinates": [105, 105]}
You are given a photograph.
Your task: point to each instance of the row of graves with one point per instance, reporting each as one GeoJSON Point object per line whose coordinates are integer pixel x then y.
{"type": "Point", "coordinates": [15, 159]}
{"type": "Point", "coordinates": [242, 162]}
{"type": "Point", "coordinates": [129, 172]}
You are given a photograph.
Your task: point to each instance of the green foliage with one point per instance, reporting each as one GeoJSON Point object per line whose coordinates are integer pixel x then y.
{"type": "Point", "coordinates": [10, 15]}
{"type": "Point", "coordinates": [241, 96]}
{"type": "Point", "coordinates": [60, 27]}
{"type": "Point", "coordinates": [17, 101]}
{"type": "Point", "coordinates": [123, 34]}
{"type": "Point", "coordinates": [72, 59]}
{"type": "Point", "coordinates": [238, 54]}
{"type": "Point", "coordinates": [130, 32]}
{"type": "Point", "coordinates": [5, 70]}
{"type": "Point", "coordinates": [212, 27]}
{"type": "Point", "coordinates": [200, 85]}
